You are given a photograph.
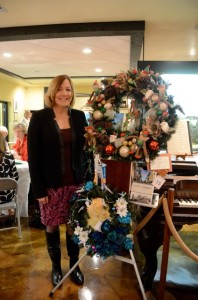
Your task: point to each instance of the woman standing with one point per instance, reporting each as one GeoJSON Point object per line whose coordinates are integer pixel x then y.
{"type": "Point", "coordinates": [26, 118]}
{"type": "Point", "coordinates": [57, 167]}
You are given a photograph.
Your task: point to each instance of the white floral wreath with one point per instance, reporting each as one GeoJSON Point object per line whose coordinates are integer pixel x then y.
{"type": "Point", "coordinates": [108, 237]}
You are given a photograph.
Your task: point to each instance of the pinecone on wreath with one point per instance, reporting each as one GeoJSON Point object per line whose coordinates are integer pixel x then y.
{"type": "Point", "coordinates": [151, 108]}
{"type": "Point", "coordinates": [110, 92]}
{"type": "Point", "coordinates": [104, 139]}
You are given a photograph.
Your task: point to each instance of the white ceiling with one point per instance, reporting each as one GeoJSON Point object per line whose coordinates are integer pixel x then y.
{"type": "Point", "coordinates": [170, 35]}
{"type": "Point", "coordinates": [48, 57]}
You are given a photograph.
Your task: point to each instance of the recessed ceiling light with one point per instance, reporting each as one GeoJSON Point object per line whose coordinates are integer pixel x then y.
{"type": "Point", "coordinates": [192, 51]}
{"type": "Point", "coordinates": [87, 50]}
{"type": "Point", "coordinates": [7, 54]}
{"type": "Point", "coordinates": [98, 70]}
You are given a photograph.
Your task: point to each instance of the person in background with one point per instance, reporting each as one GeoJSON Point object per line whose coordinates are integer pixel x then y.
{"type": "Point", "coordinates": [26, 118]}
{"type": "Point", "coordinates": [57, 167]}
{"type": "Point", "coordinates": [4, 132]}
{"type": "Point", "coordinates": [19, 149]}
{"type": "Point", "coordinates": [7, 169]}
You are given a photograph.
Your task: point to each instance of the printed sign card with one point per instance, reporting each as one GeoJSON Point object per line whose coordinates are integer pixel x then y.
{"type": "Point", "coordinates": [161, 162]}
{"type": "Point", "coordinates": [142, 193]}
{"type": "Point", "coordinates": [158, 182]}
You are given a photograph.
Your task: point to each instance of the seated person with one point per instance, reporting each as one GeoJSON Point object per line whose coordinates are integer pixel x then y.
{"type": "Point", "coordinates": [7, 169]}
{"type": "Point", "coordinates": [4, 132]}
{"type": "Point", "coordinates": [19, 149]}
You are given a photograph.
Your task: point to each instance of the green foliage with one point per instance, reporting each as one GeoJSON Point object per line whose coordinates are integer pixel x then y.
{"type": "Point", "coordinates": [149, 122]}
{"type": "Point", "coordinates": [112, 236]}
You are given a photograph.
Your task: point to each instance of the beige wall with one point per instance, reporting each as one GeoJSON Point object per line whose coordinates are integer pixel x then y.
{"type": "Point", "coordinates": [35, 98]}
{"type": "Point", "coordinates": [9, 92]}
{"type": "Point", "coordinates": [30, 95]}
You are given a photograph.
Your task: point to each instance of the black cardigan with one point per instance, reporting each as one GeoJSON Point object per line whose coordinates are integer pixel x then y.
{"type": "Point", "coordinates": [45, 150]}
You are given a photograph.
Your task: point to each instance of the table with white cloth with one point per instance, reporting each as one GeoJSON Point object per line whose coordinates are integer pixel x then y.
{"type": "Point", "coordinates": [23, 187]}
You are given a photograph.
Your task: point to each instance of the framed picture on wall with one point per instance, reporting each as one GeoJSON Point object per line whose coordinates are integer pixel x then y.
{"type": "Point", "coordinates": [16, 108]}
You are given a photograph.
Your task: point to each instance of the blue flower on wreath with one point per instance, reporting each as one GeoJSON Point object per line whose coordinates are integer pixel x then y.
{"type": "Point", "coordinates": [97, 236]}
{"type": "Point", "coordinates": [122, 230]}
{"type": "Point", "coordinates": [74, 197]}
{"type": "Point", "coordinates": [106, 226]}
{"type": "Point", "coordinates": [118, 239]}
{"type": "Point", "coordinates": [88, 185]}
{"type": "Point", "coordinates": [111, 236]}
{"type": "Point", "coordinates": [107, 249]}
{"type": "Point", "coordinates": [126, 219]}
{"type": "Point", "coordinates": [128, 244]}
{"type": "Point", "coordinates": [76, 239]}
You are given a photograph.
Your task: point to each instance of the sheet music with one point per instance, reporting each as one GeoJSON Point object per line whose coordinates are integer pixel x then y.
{"type": "Point", "coordinates": [180, 141]}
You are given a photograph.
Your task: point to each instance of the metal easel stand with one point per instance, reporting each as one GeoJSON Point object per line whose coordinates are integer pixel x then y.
{"type": "Point", "coordinates": [121, 258]}
{"type": "Point", "coordinates": [133, 262]}
{"type": "Point", "coordinates": [67, 275]}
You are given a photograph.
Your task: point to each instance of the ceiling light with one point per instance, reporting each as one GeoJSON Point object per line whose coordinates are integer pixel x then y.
{"type": "Point", "coordinates": [87, 50]}
{"type": "Point", "coordinates": [192, 51]}
{"type": "Point", "coordinates": [98, 70]}
{"type": "Point", "coordinates": [7, 54]}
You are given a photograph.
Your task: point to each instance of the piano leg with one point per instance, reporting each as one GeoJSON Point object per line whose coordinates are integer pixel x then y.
{"type": "Point", "coordinates": [150, 238]}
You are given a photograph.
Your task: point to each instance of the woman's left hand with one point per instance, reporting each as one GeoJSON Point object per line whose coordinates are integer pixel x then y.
{"type": "Point", "coordinates": [43, 200]}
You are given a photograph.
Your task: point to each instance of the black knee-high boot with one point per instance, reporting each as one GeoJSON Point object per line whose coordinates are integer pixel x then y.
{"type": "Point", "coordinates": [73, 253]}
{"type": "Point", "coordinates": [53, 247]}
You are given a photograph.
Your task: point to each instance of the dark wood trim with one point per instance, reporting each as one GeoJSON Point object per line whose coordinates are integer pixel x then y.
{"type": "Point", "coordinates": [71, 30]}
{"type": "Point", "coordinates": [170, 67]}
{"type": "Point", "coordinates": [135, 29]}
{"type": "Point", "coordinates": [3, 71]}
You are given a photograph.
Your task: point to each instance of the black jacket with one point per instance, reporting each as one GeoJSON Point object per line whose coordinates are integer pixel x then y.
{"type": "Point", "coordinates": [45, 150]}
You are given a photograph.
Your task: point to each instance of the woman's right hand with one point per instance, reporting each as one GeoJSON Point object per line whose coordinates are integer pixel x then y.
{"type": "Point", "coordinates": [43, 200]}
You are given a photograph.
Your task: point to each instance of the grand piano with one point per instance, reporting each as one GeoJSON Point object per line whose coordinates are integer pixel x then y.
{"type": "Point", "coordinates": [184, 181]}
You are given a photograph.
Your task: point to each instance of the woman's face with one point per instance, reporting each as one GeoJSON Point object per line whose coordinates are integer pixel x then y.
{"type": "Point", "coordinates": [64, 94]}
{"type": "Point", "coordinates": [19, 133]}
{"type": "Point", "coordinates": [4, 133]}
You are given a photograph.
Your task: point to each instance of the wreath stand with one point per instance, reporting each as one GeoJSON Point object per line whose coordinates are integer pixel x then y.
{"type": "Point", "coordinates": [121, 258]}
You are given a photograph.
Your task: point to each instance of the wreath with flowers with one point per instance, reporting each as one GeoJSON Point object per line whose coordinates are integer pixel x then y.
{"type": "Point", "coordinates": [149, 122]}
{"type": "Point", "coordinates": [108, 237]}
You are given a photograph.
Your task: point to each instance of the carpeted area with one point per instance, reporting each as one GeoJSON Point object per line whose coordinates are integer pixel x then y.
{"type": "Point", "coordinates": [182, 270]}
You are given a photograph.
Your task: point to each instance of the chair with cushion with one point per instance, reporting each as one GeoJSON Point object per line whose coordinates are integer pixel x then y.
{"type": "Point", "coordinates": [9, 184]}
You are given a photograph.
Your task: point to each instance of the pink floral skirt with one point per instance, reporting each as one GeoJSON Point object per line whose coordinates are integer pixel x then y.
{"type": "Point", "coordinates": [56, 211]}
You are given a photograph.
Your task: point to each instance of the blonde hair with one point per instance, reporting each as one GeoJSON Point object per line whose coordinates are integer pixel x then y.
{"type": "Point", "coordinates": [2, 147]}
{"type": "Point", "coordinates": [20, 126]}
{"type": "Point", "coordinates": [3, 129]}
{"type": "Point", "coordinates": [53, 88]}
{"type": "Point", "coordinates": [27, 113]}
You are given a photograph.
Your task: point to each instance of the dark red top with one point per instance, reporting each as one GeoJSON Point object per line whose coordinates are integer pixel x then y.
{"type": "Point", "coordinates": [68, 177]}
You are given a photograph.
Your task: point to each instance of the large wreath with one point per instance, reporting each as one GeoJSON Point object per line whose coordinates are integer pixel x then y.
{"type": "Point", "coordinates": [107, 237]}
{"type": "Point", "coordinates": [149, 122]}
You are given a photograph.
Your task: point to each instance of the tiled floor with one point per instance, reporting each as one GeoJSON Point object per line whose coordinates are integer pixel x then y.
{"type": "Point", "coordinates": [25, 272]}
